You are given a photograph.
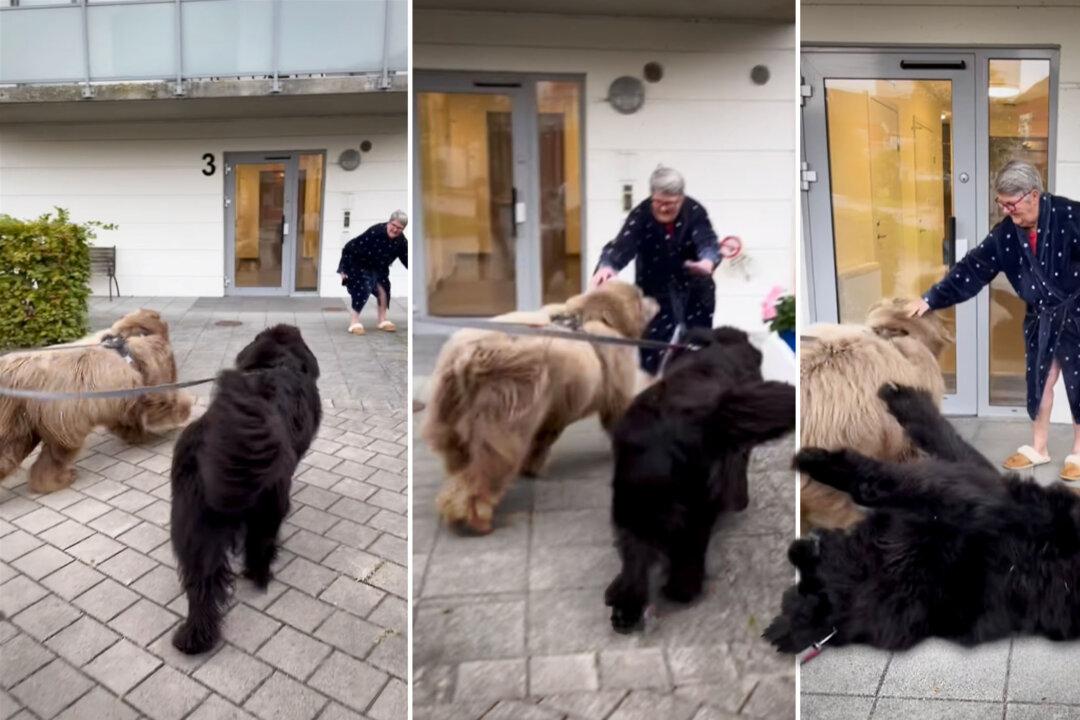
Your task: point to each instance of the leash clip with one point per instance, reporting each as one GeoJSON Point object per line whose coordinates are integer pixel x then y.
{"type": "Point", "coordinates": [817, 648]}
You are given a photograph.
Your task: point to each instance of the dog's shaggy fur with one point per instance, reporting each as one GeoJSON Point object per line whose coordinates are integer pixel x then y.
{"type": "Point", "coordinates": [681, 456]}
{"type": "Point", "coordinates": [950, 548]}
{"type": "Point", "coordinates": [232, 470]}
{"type": "Point", "coordinates": [841, 370]}
{"type": "Point", "coordinates": [500, 401]}
{"type": "Point", "coordinates": [61, 426]}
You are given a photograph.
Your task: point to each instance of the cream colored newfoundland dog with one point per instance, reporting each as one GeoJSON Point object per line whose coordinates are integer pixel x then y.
{"type": "Point", "coordinates": [841, 370]}
{"type": "Point", "coordinates": [500, 401]}
{"type": "Point", "coordinates": [139, 356]}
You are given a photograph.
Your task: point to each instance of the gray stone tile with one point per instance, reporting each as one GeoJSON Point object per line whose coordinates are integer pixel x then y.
{"type": "Point", "coordinates": [928, 709]}
{"type": "Point", "coordinates": [247, 628]}
{"type": "Point", "coordinates": [562, 674]}
{"type": "Point", "coordinates": [351, 562]}
{"type": "Point", "coordinates": [521, 710]}
{"type": "Point", "coordinates": [480, 631]}
{"type": "Point", "coordinates": [99, 705]}
{"type": "Point", "coordinates": [294, 652]}
{"type": "Point", "coordinates": [115, 523]}
{"type": "Point", "coordinates": [299, 610]}
{"type": "Point", "coordinates": [160, 585]}
{"type": "Point", "coordinates": [351, 682]}
{"type": "Point", "coordinates": [46, 617]}
{"type": "Point", "coordinates": [634, 669]}
{"type": "Point", "coordinates": [95, 549]}
{"type": "Point", "coordinates": [17, 544]}
{"type": "Point", "coordinates": [354, 535]}
{"type": "Point", "coordinates": [40, 562]}
{"type": "Point", "coordinates": [282, 698]}
{"type": "Point", "coordinates": [232, 673]}
{"type": "Point", "coordinates": [390, 655]}
{"type": "Point", "coordinates": [392, 703]}
{"type": "Point", "coordinates": [491, 680]}
{"type": "Point", "coordinates": [51, 689]}
{"type": "Point", "coordinates": [853, 669]}
{"type": "Point", "coordinates": [216, 708]}
{"type": "Point", "coordinates": [350, 634]}
{"type": "Point", "coordinates": [579, 566]}
{"type": "Point", "coordinates": [143, 622]}
{"type": "Point", "coordinates": [18, 593]}
{"type": "Point", "coordinates": [939, 669]}
{"type": "Point", "coordinates": [167, 695]}
{"type": "Point", "coordinates": [478, 573]}
{"type": "Point", "coordinates": [1042, 711]}
{"type": "Point", "coordinates": [22, 657]}
{"type": "Point", "coordinates": [106, 600]}
{"type": "Point", "coordinates": [356, 597]}
{"type": "Point", "coordinates": [144, 537]}
{"type": "Point", "coordinates": [82, 641]}
{"type": "Point", "coordinates": [1043, 671]}
{"type": "Point", "coordinates": [122, 667]}
{"type": "Point", "coordinates": [834, 707]}
{"type": "Point", "coordinates": [773, 697]}
{"type": "Point", "coordinates": [86, 510]}
{"type": "Point", "coordinates": [647, 705]}
{"type": "Point", "coordinates": [307, 576]}
{"type": "Point", "coordinates": [66, 534]}
{"type": "Point", "coordinates": [72, 580]}
{"type": "Point", "coordinates": [309, 545]}
{"type": "Point", "coordinates": [39, 520]}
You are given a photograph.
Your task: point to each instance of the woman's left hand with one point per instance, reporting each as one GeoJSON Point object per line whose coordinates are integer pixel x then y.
{"type": "Point", "coordinates": [699, 267]}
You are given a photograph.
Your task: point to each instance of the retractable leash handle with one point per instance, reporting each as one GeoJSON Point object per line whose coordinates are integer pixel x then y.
{"type": "Point", "coordinates": [817, 648]}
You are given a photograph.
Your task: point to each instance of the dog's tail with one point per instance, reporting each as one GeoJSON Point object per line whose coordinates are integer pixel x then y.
{"type": "Point", "coordinates": [247, 446]}
{"type": "Point", "coordinates": [753, 413]}
{"type": "Point", "coordinates": [482, 390]}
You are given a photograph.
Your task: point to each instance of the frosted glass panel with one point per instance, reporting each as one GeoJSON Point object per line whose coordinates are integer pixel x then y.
{"type": "Point", "coordinates": [329, 35]}
{"type": "Point", "coordinates": [41, 44]}
{"type": "Point", "coordinates": [397, 37]}
{"type": "Point", "coordinates": [136, 41]}
{"type": "Point", "coordinates": [229, 37]}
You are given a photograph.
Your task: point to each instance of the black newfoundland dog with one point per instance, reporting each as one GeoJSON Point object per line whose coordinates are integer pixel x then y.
{"type": "Point", "coordinates": [231, 473]}
{"type": "Point", "coordinates": [681, 456]}
{"type": "Point", "coordinates": [950, 549]}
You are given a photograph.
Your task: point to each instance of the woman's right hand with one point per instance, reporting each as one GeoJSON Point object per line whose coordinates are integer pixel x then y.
{"type": "Point", "coordinates": [918, 308]}
{"type": "Point", "coordinates": [602, 276]}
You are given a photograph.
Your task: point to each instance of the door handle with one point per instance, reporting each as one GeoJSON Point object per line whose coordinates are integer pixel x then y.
{"type": "Point", "coordinates": [284, 230]}
{"type": "Point", "coordinates": [948, 247]}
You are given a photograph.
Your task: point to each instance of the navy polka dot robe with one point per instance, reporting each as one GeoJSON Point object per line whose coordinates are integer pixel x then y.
{"type": "Point", "coordinates": [366, 261]}
{"type": "Point", "coordinates": [684, 299]}
{"type": "Point", "coordinates": [1048, 281]}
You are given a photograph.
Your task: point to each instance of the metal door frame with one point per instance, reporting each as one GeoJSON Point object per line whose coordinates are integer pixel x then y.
{"type": "Point", "coordinates": [290, 247]}
{"type": "Point", "coordinates": [819, 249]}
{"type": "Point", "coordinates": [982, 115]}
{"type": "Point", "coordinates": [521, 87]}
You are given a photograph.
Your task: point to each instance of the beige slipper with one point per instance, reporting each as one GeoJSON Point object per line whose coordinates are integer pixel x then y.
{"type": "Point", "coordinates": [387, 326]}
{"type": "Point", "coordinates": [357, 329]}
{"type": "Point", "coordinates": [1070, 472]}
{"type": "Point", "coordinates": [1025, 458]}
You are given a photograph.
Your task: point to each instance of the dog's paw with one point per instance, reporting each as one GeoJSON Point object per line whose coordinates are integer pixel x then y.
{"type": "Point", "coordinates": [778, 634]}
{"type": "Point", "coordinates": [626, 620]}
{"type": "Point", "coordinates": [683, 587]}
{"type": "Point", "coordinates": [260, 578]}
{"type": "Point", "coordinates": [904, 401]}
{"type": "Point", "coordinates": [811, 459]}
{"type": "Point", "coordinates": [804, 552]}
{"type": "Point", "coordinates": [192, 639]}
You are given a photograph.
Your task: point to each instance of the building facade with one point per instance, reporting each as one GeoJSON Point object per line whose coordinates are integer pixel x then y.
{"type": "Point", "coordinates": [237, 145]}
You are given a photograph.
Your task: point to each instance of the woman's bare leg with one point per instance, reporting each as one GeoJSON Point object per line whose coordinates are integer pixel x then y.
{"type": "Point", "coordinates": [1042, 418]}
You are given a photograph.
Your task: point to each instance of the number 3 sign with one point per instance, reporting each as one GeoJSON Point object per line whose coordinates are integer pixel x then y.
{"type": "Point", "coordinates": [210, 168]}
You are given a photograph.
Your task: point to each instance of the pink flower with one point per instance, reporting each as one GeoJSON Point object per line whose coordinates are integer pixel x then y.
{"type": "Point", "coordinates": [768, 306]}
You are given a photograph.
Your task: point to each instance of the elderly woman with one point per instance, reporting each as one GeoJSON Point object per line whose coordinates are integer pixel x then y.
{"type": "Point", "coordinates": [676, 250]}
{"type": "Point", "coordinates": [1037, 246]}
{"type": "Point", "coordinates": [365, 267]}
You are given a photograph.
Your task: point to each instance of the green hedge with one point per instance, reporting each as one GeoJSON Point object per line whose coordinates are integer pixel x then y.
{"type": "Point", "coordinates": [44, 279]}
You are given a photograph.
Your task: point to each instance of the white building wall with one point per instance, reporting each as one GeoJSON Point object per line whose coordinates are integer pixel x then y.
{"type": "Point", "coordinates": [733, 140]}
{"type": "Point", "coordinates": [969, 22]}
{"type": "Point", "coordinates": [146, 177]}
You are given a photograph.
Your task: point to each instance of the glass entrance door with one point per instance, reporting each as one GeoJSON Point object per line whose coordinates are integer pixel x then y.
{"type": "Point", "coordinates": [892, 138]}
{"type": "Point", "coordinates": [273, 224]}
{"type": "Point", "coordinates": [498, 214]}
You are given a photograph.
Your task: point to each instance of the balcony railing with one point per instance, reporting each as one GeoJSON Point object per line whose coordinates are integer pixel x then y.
{"type": "Point", "coordinates": [93, 41]}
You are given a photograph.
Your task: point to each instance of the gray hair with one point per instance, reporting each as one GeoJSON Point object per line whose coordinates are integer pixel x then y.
{"type": "Point", "coordinates": [399, 217]}
{"type": "Point", "coordinates": [667, 181]}
{"type": "Point", "coordinates": [1017, 178]}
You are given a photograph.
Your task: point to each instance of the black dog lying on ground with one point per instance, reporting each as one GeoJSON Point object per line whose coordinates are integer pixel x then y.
{"type": "Point", "coordinates": [681, 456]}
{"type": "Point", "coordinates": [950, 549]}
{"type": "Point", "coordinates": [231, 473]}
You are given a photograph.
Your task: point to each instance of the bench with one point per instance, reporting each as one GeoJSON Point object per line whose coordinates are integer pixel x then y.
{"type": "Point", "coordinates": [103, 260]}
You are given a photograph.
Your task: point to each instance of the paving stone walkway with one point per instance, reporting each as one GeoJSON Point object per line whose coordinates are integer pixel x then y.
{"type": "Point", "coordinates": [1014, 679]}
{"type": "Point", "coordinates": [88, 586]}
{"type": "Point", "coordinates": [513, 625]}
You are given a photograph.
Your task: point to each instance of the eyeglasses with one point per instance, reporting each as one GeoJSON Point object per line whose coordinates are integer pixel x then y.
{"type": "Point", "coordinates": [399, 228]}
{"type": "Point", "coordinates": [1010, 207]}
{"type": "Point", "coordinates": [665, 204]}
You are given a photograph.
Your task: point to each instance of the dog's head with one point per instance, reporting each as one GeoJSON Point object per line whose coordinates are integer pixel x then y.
{"type": "Point", "coordinates": [619, 305]}
{"type": "Point", "coordinates": [889, 318]}
{"type": "Point", "coordinates": [142, 322]}
{"type": "Point", "coordinates": [732, 340]}
{"type": "Point", "coordinates": [281, 345]}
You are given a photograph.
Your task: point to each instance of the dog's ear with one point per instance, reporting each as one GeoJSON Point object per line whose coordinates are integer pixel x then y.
{"type": "Point", "coordinates": [611, 309]}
